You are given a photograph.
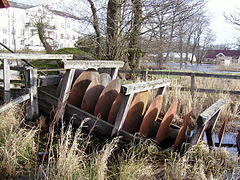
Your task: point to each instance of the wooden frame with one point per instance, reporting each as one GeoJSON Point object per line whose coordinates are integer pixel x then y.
{"type": "Point", "coordinates": [129, 91]}
{"type": "Point", "coordinates": [34, 56]}
{"type": "Point", "coordinates": [96, 64]}
{"type": "Point", "coordinates": [206, 123]}
{"type": "Point", "coordinates": [70, 66]}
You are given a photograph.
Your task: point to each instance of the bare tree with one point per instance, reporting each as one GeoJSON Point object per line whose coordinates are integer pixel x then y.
{"type": "Point", "coordinates": [96, 27]}
{"type": "Point", "coordinates": [40, 20]}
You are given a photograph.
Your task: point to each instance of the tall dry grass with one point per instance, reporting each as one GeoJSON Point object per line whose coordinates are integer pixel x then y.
{"type": "Point", "coordinates": [201, 163]}
{"type": "Point", "coordinates": [201, 101]}
{"type": "Point", "coordinates": [17, 144]}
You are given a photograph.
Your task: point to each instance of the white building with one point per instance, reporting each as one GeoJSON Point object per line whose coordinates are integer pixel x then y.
{"type": "Point", "coordinates": [18, 32]}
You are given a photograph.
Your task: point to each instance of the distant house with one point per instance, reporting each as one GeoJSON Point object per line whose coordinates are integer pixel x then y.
{"type": "Point", "coordinates": [176, 56]}
{"type": "Point", "coordinates": [18, 32]}
{"type": "Point", "coordinates": [172, 56]}
{"type": "Point", "coordinates": [225, 57]}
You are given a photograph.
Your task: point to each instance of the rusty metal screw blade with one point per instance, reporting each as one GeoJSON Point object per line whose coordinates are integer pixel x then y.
{"type": "Point", "coordinates": [106, 99]}
{"type": "Point", "coordinates": [151, 115]}
{"type": "Point", "coordinates": [135, 113]}
{"type": "Point", "coordinates": [167, 119]}
{"type": "Point", "coordinates": [93, 92]}
{"type": "Point", "coordinates": [183, 129]}
{"type": "Point", "coordinates": [115, 108]}
{"type": "Point", "coordinates": [79, 87]}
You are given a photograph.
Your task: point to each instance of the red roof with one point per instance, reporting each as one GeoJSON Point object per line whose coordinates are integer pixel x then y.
{"type": "Point", "coordinates": [4, 4]}
{"type": "Point", "coordinates": [213, 53]}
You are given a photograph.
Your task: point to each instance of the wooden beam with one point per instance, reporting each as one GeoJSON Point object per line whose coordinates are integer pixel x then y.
{"type": "Point", "coordinates": [6, 80]}
{"type": "Point", "coordinates": [122, 114]}
{"type": "Point", "coordinates": [76, 115]}
{"type": "Point", "coordinates": [205, 117]}
{"type": "Point", "coordinates": [49, 80]}
{"type": "Point", "coordinates": [64, 93]}
{"type": "Point", "coordinates": [192, 84]}
{"type": "Point", "coordinates": [34, 56]}
{"type": "Point", "coordinates": [82, 64]}
{"type": "Point", "coordinates": [31, 78]}
{"type": "Point", "coordinates": [176, 73]}
{"type": "Point", "coordinates": [114, 72]}
{"type": "Point", "coordinates": [14, 102]}
{"type": "Point", "coordinates": [144, 86]}
{"type": "Point", "coordinates": [207, 121]}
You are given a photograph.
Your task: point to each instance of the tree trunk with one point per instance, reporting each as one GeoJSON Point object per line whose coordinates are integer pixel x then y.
{"type": "Point", "coordinates": [113, 18]}
{"type": "Point", "coordinates": [43, 38]}
{"type": "Point", "coordinates": [134, 49]}
{"type": "Point", "coordinates": [96, 27]}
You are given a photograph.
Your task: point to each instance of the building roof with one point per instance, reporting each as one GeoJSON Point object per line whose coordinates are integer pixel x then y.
{"type": "Point", "coordinates": [19, 5]}
{"type": "Point", "coordinates": [211, 54]}
{"type": "Point", "coordinates": [4, 4]}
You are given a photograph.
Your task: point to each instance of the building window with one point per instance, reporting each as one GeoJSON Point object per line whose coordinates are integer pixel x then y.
{"type": "Point", "coordinates": [67, 36]}
{"type": "Point", "coordinates": [22, 32]}
{"type": "Point", "coordinates": [22, 42]}
{"type": "Point", "coordinates": [61, 36]}
{"type": "Point", "coordinates": [4, 41]}
{"type": "Point", "coordinates": [5, 30]}
{"type": "Point", "coordinates": [32, 32]}
{"type": "Point", "coordinates": [73, 38]}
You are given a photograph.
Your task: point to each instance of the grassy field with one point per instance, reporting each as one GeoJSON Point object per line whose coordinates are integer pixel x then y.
{"type": "Point", "coordinates": [75, 155]}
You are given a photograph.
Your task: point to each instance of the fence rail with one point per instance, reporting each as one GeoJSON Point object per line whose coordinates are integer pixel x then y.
{"type": "Point", "coordinates": [192, 75]}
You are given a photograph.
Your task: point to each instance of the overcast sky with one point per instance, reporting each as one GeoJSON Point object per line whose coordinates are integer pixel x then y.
{"type": "Point", "coordinates": [225, 32]}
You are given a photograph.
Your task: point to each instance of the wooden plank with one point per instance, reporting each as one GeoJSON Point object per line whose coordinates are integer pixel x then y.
{"type": "Point", "coordinates": [52, 70]}
{"type": "Point", "coordinates": [144, 86]}
{"type": "Point", "coordinates": [176, 73]}
{"type": "Point", "coordinates": [205, 117]}
{"type": "Point", "coordinates": [11, 56]}
{"type": "Point", "coordinates": [210, 139]}
{"type": "Point", "coordinates": [83, 64]}
{"type": "Point", "coordinates": [208, 90]}
{"type": "Point", "coordinates": [76, 115]}
{"type": "Point", "coordinates": [14, 102]}
{"type": "Point", "coordinates": [207, 121]}
{"type": "Point", "coordinates": [122, 113]}
{"type": "Point", "coordinates": [62, 100]}
{"type": "Point", "coordinates": [31, 84]}
{"type": "Point", "coordinates": [192, 85]}
{"type": "Point", "coordinates": [114, 72]}
{"type": "Point", "coordinates": [49, 80]}
{"type": "Point", "coordinates": [16, 68]}
{"type": "Point", "coordinates": [14, 92]}
{"type": "Point", "coordinates": [6, 80]}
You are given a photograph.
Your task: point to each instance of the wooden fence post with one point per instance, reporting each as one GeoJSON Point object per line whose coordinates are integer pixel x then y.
{"type": "Point", "coordinates": [122, 114]}
{"type": "Point", "coordinates": [6, 80]}
{"type": "Point", "coordinates": [192, 89]}
{"type": "Point", "coordinates": [31, 84]}
{"type": "Point", "coordinates": [145, 75]}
